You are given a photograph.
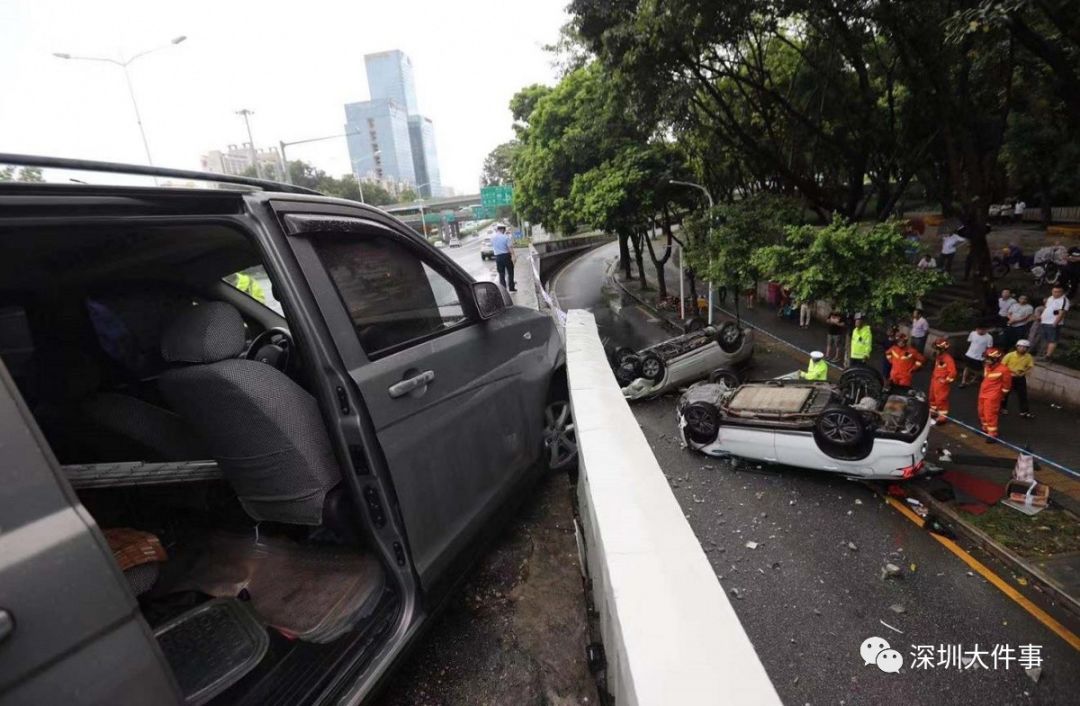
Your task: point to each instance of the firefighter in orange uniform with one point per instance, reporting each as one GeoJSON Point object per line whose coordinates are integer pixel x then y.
{"type": "Point", "coordinates": [904, 360]}
{"type": "Point", "coordinates": [997, 380]}
{"type": "Point", "coordinates": [941, 380]}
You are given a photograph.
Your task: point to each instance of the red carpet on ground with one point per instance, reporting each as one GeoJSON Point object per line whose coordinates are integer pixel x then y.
{"type": "Point", "coordinates": [985, 491]}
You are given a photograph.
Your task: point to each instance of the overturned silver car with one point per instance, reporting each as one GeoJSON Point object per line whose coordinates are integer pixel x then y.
{"type": "Point", "coordinates": [682, 360]}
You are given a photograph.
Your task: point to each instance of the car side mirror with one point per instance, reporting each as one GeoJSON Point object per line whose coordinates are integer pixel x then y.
{"type": "Point", "coordinates": [490, 299]}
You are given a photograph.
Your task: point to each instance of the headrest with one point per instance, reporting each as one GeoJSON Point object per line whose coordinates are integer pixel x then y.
{"type": "Point", "coordinates": [205, 333]}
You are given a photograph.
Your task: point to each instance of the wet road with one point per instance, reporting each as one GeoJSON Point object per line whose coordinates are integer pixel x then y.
{"type": "Point", "coordinates": [811, 590]}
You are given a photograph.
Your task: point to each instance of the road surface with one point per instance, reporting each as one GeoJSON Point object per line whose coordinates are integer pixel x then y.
{"type": "Point", "coordinates": [810, 591]}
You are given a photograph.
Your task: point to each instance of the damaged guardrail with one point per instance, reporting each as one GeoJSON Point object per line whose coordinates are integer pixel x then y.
{"type": "Point", "coordinates": [670, 634]}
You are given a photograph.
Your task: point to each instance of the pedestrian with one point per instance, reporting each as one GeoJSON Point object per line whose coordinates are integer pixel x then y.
{"type": "Point", "coordinates": [949, 244]}
{"type": "Point", "coordinates": [1053, 318]}
{"type": "Point", "coordinates": [861, 341]}
{"type": "Point", "coordinates": [941, 380]}
{"type": "Point", "coordinates": [887, 343]}
{"type": "Point", "coordinates": [978, 342]}
{"type": "Point", "coordinates": [504, 257]}
{"type": "Point", "coordinates": [927, 262]}
{"type": "Point", "coordinates": [1019, 362]}
{"type": "Point", "coordinates": [1004, 303]}
{"type": "Point", "coordinates": [1018, 210]}
{"type": "Point", "coordinates": [997, 380]}
{"type": "Point", "coordinates": [1017, 320]}
{"type": "Point", "coordinates": [967, 231]}
{"type": "Point", "coordinates": [804, 314]}
{"type": "Point", "coordinates": [783, 306]}
{"type": "Point", "coordinates": [904, 361]}
{"type": "Point", "coordinates": [920, 328]}
{"type": "Point", "coordinates": [817, 369]}
{"type": "Point", "coordinates": [834, 339]}
{"type": "Point", "coordinates": [751, 296]}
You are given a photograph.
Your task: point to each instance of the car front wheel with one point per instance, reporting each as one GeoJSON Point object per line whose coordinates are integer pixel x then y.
{"type": "Point", "coordinates": [702, 422]}
{"type": "Point", "coordinates": [560, 436]}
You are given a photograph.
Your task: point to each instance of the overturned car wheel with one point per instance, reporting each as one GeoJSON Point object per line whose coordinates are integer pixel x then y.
{"type": "Point", "coordinates": [628, 369]}
{"type": "Point", "coordinates": [702, 422]}
{"type": "Point", "coordinates": [841, 433]}
{"type": "Point", "coordinates": [729, 337]}
{"type": "Point", "coordinates": [652, 367]}
{"type": "Point", "coordinates": [857, 383]}
{"type": "Point", "coordinates": [724, 376]}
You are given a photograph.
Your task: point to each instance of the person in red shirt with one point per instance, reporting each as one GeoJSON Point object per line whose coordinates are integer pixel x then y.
{"type": "Point", "coordinates": [997, 380]}
{"type": "Point", "coordinates": [903, 362]}
{"type": "Point", "coordinates": [941, 380]}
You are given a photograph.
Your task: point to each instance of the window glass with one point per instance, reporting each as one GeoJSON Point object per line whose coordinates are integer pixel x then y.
{"type": "Point", "coordinates": [391, 295]}
{"type": "Point", "coordinates": [255, 283]}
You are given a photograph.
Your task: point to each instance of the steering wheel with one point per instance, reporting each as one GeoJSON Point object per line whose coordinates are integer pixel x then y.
{"type": "Point", "coordinates": [272, 347]}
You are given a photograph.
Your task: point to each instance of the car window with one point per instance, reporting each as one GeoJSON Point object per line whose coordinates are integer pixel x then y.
{"type": "Point", "coordinates": [255, 283]}
{"type": "Point", "coordinates": [392, 295]}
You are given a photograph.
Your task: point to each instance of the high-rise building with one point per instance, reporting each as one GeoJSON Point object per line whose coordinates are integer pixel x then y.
{"type": "Point", "coordinates": [379, 141]}
{"type": "Point", "coordinates": [390, 75]}
{"type": "Point", "coordinates": [389, 139]}
{"type": "Point", "coordinates": [237, 159]}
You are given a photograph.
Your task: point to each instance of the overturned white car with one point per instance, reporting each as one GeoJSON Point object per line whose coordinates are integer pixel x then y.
{"type": "Point", "coordinates": [681, 360]}
{"type": "Point", "coordinates": [816, 425]}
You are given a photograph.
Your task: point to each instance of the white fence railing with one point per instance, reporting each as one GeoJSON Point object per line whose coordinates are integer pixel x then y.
{"type": "Point", "coordinates": [669, 632]}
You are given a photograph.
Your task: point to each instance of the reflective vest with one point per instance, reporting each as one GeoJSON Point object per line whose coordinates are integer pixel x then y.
{"type": "Point", "coordinates": [860, 342]}
{"type": "Point", "coordinates": [248, 285]}
{"type": "Point", "coordinates": [905, 361]}
{"type": "Point", "coordinates": [816, 370]}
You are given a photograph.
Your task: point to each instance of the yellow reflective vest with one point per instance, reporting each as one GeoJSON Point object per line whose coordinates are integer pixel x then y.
{"type": "Point", "coordinates": [816, 370]}
{"type": "Point", "coordinates": [861, 340]}
{"type": "Point", "coordinates": [249, 286]}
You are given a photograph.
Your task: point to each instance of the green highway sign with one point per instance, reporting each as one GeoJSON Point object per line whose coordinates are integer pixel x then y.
{"type": "Point", "coordinates": [492, 196]}
{"type": "Point", "coordinates": [482, 212]}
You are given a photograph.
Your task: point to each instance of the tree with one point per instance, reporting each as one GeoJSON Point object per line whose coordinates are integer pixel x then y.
{"type": "Point", "coordinates": [724, 241]}
{"type": "Point", "coordinates": [26, 174]}
{"type": "Point", "coordinates": [856, 268]}
{"type": "Point", "coordinates": [497, 165]}
{"type": "Point", "coordinates": [407, 196]}
{"type": "Point", "coordinates": [376, 194]}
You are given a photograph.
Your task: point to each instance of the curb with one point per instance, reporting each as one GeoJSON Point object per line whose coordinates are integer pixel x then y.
{"type": "Point", "coordinates": [668, 320]}
{"type": "Point", "coordinates": [952, 519]}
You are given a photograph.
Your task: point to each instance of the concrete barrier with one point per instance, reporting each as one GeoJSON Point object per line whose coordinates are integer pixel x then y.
{"type": "Point", "coordinates": [670, 634]}
{"type": "Point", "coordinates": [553, 254]}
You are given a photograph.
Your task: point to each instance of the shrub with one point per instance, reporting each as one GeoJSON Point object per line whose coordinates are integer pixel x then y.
{"type": "Point", "coordinates": [955, 316]}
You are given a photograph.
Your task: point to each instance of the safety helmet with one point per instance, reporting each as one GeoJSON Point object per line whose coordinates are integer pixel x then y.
{"type": "Point", "coordinates": [901, 337]}
{"type": "Point", "coordinates": [816, 355]}
{"type": "Point", "coordinates": [942, 344]}
{"type": "Point", "coordinates": [994, 354]}
{"type": "Point", "coordinates": [1023, 343]}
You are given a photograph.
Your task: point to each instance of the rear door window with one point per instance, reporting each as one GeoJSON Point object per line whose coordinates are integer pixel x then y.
{"type": "Point", "coordinates": [255, 283]}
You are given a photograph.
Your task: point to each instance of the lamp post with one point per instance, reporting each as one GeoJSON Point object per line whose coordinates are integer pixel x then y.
{"type": "Point", "coordinates": [420, 203]}
{"type": "Point", "coordinates": [285, 161]}
{"type": "Point", "coordinates": [246, 114]}
{"type": "Point", "coordinates": [359, 181]}
{"type": "Point", "coordinates": [711, 204]}
{"type": "Point", "coordinates": [124, 64]}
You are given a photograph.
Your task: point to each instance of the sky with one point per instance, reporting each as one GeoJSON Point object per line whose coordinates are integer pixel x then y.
{"type": "Point", "coordinates": [295, 64]}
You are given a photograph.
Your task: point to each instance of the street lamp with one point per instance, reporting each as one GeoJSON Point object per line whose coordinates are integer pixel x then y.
{"type": "Point", "coordinates": [705, 191]}
{"type": "Point", "coordinates": [246, 114]}
{"type": "Point", "coordinates": [420, 203]}
{"type": "Point", "coordinates": [123, 64]}
{"type": "Point", "coordinates": [359, 181]}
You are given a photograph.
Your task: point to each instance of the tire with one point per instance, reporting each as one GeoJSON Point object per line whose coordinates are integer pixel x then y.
{"type": "Point", "coordinates": [652, 367]}
{"type": "Point", "coordinates": [560, 436]}
{"type": "Point", "coordinates": [692, 325]}
{"type": "Point", "coordinates": [724, 376]}
{"type": "Point", "coordinates": [628, 370]}
{"type": "Point", "coordinates": [620, 353]}
{"type": "Point", "coordinates": [702, 422]}
{"type": "Point", "coordinates": [857, 383]}
{"type": "Point", "coordinates": [839, 428]}
{"type": "Point", "coordinates": [729, 337]}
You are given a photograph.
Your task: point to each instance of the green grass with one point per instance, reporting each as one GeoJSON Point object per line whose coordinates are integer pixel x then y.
{"type": "Point", "coordinates": [1052, 531]}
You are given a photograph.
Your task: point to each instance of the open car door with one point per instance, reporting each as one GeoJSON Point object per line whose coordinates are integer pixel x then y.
{"type": "Point", "coordinates": [70, 630]}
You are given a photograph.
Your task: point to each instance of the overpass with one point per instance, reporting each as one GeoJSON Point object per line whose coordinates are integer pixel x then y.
{"type": "Point", "coordinates": [433, 205]}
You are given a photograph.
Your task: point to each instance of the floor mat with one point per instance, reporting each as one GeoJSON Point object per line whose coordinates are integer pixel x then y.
{"type": "Point", "coordinates": [985, 491]}
{"type": "Point", "coordinates": [314, 593]}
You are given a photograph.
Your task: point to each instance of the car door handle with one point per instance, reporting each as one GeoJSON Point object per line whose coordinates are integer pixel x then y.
{"type": "Point", "coordinates": [7, 624]}
{"type": "Point", "coordinates": [400, 389]}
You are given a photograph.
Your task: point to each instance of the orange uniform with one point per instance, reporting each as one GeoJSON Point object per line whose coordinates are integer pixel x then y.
{"type": "Point", "coordinates": [905, 361]}
{"type": "Point", "coordinates": [941, 380]}
{"type": "Point", "coordinates": [997, 380]}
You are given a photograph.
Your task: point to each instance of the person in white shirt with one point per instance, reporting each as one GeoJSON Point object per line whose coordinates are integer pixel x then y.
{"type": "Point", "coordinates": [927, 262]}
{"type": "Point", "coordinates": [1005, 302]}
{"type": "Point", "coordinates": [949, 244]}
{"type": "Point", "coordinates": [920, 327]}
{"type": "Point", "coordinates": [1053, 317]}
{"type": "Point", "coordinates": [978, 341]}
{"type": "Point", "coordinates": [1017, 320]}
{"type": "Point", "coordinates": [1018, 210]}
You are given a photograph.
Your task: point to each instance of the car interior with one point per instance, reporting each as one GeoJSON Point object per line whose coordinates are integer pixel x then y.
{"type": "Point", "coordinates": [159, 365]}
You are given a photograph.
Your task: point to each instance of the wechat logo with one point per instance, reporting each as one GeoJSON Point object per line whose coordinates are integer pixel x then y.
{"type": "Point", "coordinates": [876, 650]}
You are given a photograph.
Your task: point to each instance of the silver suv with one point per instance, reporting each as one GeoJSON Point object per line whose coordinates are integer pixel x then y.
{"type": "Point", "coordinates": [252, 436]}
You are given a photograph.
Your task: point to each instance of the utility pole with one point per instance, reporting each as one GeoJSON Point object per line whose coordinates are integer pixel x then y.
{"type": "Point", "coordinates": [245, 113]}
{"type": "Point", "coordinates": [705, 191]}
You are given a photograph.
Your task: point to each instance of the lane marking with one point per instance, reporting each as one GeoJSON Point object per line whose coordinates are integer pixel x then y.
{"type": "Point", "coordinates": [1038, 613]}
